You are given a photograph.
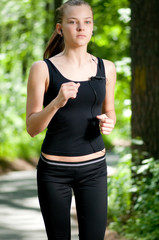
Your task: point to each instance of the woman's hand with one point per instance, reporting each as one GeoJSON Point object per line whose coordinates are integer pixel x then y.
{"type": "Point", "coordinates": [106, 124]}
{"type": "Point", "coordinates": [67, 91]}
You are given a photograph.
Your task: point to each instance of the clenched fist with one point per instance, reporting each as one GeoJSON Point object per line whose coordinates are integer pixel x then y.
{"type": "Point", "coordinates": [67, 91]}
{"type": "Point", "coordinates": [106, 124]}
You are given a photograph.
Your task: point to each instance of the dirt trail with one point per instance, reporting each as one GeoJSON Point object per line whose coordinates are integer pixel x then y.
{"type": "Point", "coordinates": [111, 235]}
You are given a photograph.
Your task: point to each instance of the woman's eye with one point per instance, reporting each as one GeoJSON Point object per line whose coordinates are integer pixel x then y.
{"type": "Point", "coordinates": [87, 22]}
{"type": "Point", "coordinates": [72, 22]}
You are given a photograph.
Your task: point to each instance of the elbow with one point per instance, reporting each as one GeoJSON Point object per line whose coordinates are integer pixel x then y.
{"type": "Point", "coordinates": [33, 129]}
{"type": "Point", "coordinates": [32, 135]}
{"type": "Point", "coordinates": [30, 129]}
{"type": "Point", "coordinates": [31, 132]}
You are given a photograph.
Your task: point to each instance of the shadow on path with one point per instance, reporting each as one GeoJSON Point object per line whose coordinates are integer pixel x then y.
{"type": "Point", "coordinates": [20, 217]}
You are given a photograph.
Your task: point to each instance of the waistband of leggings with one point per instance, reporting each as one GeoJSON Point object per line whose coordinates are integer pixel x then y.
{"type": "Point", "coordinates": [72, 164]}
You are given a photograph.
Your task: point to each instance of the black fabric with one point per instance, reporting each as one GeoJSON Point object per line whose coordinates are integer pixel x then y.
{"type": "Point", "coordinates": [89, 185]}
{"type": "Point", "coordinates": [74, 129]}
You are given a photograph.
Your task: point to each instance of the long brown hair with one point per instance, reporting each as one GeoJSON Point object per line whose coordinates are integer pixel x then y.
{"type": "Point", "coordinates": [56, 43]}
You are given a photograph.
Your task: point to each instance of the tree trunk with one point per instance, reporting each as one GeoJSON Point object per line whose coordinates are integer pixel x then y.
{"type": "Point", "coordinates": [49, 21]}
{"type": "Point", "coordinates": [145, 76]}
{"type": "Point", "coordinates": [50, 18]}
{"type": "Point", "coordinates": [57, 4]}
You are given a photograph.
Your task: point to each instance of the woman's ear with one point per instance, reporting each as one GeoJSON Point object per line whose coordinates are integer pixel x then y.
{"type": "Point", "coordinates": [59, 29]}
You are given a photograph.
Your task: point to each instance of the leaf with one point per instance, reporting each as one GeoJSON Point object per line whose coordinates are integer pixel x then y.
{"type": "Point", "coordinates": [142, 168]}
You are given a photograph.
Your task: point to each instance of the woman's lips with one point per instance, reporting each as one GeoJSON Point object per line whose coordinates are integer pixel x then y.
{"type": "Point", "coordinates": [81, 36]}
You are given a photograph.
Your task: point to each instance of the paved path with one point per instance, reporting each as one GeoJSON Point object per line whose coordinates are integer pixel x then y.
{"type": "Point", "coordinates": [20, 217]}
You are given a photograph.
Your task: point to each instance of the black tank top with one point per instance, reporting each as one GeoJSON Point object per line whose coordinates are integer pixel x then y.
{"type": "Point", "coordinates": [74, 129]}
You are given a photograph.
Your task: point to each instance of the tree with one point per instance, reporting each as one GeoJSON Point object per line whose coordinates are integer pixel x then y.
{"type": "Point", "coordinates": [57, 5]}
{"type": "Point", "coordinates": [145, 77]}
{"type": "Point", "coordinates": [50, 17]}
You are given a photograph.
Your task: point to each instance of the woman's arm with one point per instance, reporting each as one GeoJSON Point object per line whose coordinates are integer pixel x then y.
{"type": "Point", "coordinates": [37, 118]}
{"type": "Point", "coordinates": [108, 118]}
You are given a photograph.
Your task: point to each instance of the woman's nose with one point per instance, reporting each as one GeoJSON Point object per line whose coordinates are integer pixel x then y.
{"type": "Point", "coordinates": [80, 27]}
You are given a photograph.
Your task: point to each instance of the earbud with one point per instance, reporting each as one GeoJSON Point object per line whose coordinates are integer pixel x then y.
{"type": "Point", "coordinates": [61, 33]}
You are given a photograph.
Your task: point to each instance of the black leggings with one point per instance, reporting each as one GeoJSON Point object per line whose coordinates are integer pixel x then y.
{"type": "Point", "coordinates": [88, 180]}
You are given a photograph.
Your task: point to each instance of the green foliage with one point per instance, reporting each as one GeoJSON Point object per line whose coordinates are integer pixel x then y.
{"type": "Point", "coordinates": [137, 220]}
{"type": "Point", "coordinates": [111, 28]}
{"type": "Point", "coordinates": [145, 213]}
{"type": "Point", "coordinates": [119, 197]}
{"type": "Point", "coordinates": [22, 27]}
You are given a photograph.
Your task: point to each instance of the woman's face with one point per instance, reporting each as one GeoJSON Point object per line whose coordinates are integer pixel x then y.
{"type": "Point", "coordinates": [77, 25]}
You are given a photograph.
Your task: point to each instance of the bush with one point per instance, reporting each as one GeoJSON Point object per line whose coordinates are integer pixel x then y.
{"type": "Point", "coordinates": [145, 213]}
{"type": "Point", "coordinates": [119, 197]}
{"type": "Point", "coordinates": [138, 220]}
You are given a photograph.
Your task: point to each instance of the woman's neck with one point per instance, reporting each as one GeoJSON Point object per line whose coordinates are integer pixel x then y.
{"type": "Point", "coordinates": [78, 56]}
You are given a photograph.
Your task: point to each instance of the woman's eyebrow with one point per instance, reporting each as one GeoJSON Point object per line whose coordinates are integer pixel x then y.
{"type": "Point", "coordinates": [77, 18]}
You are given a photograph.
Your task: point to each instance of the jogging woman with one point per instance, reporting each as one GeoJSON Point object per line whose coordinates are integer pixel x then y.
{"type": "Point", "coordinates": [77, 92]}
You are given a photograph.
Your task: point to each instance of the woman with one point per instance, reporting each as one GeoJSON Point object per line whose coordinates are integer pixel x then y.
{"type": "Point", "coordinates": [72, 86]}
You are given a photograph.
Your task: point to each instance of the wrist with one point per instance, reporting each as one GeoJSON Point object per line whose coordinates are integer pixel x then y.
{"type": "Point", "coordinates": [55, 104]}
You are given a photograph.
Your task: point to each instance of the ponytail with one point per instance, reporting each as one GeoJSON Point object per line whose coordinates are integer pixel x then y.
{"type": "Point", "coordinates": [54, 46]}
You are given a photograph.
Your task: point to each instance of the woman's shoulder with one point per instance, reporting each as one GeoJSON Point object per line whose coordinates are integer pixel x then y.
{"type": "Point", "coordinates": [39, 65]}
{"type": "Point", "coordinates": [110, 70]}
{"type": "Point", "coordinates": [38, 71]}
{"type": "Point", "coordinates": [109, 65]}
{"type": "Point", "coordinates": [39, 68]}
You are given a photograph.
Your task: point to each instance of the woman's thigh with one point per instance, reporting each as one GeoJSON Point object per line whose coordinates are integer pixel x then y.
{"type": "Point", "coordinates": [55, 201]}
{"type": "Point", "coordinates": [91, 202]}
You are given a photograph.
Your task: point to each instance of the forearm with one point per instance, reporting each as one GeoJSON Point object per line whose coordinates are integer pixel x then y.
{"type": "Point", "coordinates": [111, 114]}
{"type": "Point", "coordinates": [38, 121]}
